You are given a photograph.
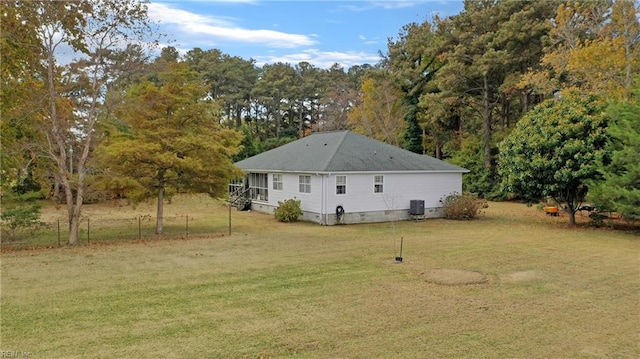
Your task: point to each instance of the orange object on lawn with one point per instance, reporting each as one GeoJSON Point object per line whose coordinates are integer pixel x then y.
{"type": "Point", "coordinates": [552, 210]}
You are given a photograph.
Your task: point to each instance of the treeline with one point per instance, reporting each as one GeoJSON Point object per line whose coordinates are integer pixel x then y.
{"type": "Point", "coordinates": [118, 121]}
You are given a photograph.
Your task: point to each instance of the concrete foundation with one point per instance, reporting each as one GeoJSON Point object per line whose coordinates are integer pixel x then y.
{"type": "Point", "coordinates": [356, 217]}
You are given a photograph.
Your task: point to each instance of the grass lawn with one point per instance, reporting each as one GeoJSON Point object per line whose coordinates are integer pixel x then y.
{"type": "Point", "coordinates": [514, 284]}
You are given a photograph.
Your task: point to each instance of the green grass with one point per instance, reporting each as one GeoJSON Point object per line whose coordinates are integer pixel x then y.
{"type": "Point", "coordinates": [306, 291]}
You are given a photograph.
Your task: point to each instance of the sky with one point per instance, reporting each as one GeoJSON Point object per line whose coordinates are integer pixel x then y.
{"type": "Point", "coordinates": [268, 31]}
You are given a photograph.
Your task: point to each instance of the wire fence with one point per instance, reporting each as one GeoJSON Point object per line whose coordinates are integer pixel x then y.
{"type": "Point", "coordinates": [95, 230]}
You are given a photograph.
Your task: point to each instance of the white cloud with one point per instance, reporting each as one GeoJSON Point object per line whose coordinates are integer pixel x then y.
{"type": "Point", "coordinates": [166, 14]}
{"type": "Point", "coordinates": [322, 59]}
{"type": "Point", "coordinates": [397, 4]}
{"type": "Point", "coordinates": [387, 4]}
{"type": "Point", "coordinates": [367, 41]}
{"type": "Point", "coordinates": [199, 28]}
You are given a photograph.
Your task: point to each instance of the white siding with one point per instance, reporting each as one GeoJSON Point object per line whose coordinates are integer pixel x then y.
{"type": "Point", "coordinates": [309, 202]}
{"type": "Point", "coordinates": [360, 203]}
{"type": "Point", "coordinates": [399, 190]}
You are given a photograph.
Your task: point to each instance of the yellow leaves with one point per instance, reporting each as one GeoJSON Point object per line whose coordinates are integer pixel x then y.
{"type": "Point", "coordinates": [594, 46]}
{"type": "Point", "coordinates": [600, 66]}
{"type": "Point", "coordinates": [379, 114]}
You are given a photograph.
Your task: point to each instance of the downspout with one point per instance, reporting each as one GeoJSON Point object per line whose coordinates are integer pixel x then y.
{"type": "Point", "coordinates": [324, 201]}
{"type": "Point", "coordinates": [323, 205]}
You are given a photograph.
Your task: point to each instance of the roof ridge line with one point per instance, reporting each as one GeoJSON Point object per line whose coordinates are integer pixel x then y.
{"type": "Point", "coordinates": [326, 164]}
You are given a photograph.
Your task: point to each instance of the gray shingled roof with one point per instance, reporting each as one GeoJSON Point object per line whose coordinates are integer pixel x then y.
{"type": "Point", "coordinates": [342, 151]}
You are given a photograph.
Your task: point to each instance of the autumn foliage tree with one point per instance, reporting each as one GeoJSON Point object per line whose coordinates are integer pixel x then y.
{"type": "Point", "coordinates": [168, 139]}
{"type": "Point", "coordinates": [592, 45]}
{"type": "Point", "coordinates": [69, 96]}
{"type": "Point", "coordinates": [379, 115]}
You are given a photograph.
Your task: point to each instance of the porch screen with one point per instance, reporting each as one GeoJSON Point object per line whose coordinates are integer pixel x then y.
{"type": "Point", "coordinates": [259, 186]}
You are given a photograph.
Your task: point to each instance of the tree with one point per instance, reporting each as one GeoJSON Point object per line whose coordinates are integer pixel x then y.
{"type": "Point", "coordinates": [20, 91]}
{"type": "Point", "coordinates": [229, 80]}
{"type": "Point", "coordinates": [71, 95]}
{"type": "Point", "coordinates": [594, 46]}
{"type": "Point", "coordinates": [274, 92]}
{"type": "Point", "coordinates": [169, 140]}
{"type": "Point", "coordinates": [490, 44]}
{"type": "Point", "coordinates": [554, 151]}
{"type": "Point", "coordinates": [620, 187]}
{"type": "Point", "coordinates": [413, 66]}
{"type": "Point", "coordinates": [379, 115]}
{"type": "Point", "coordinates": [341, 96]}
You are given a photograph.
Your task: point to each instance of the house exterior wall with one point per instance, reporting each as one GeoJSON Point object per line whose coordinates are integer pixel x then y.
{"type": "Point", "coordinates": [310, 202]}
{"type": "Point", "coordinates": [360, 203]}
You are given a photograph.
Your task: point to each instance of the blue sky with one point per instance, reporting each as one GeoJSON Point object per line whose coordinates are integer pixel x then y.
{"type": "Point", "coordinates": [319, 32]}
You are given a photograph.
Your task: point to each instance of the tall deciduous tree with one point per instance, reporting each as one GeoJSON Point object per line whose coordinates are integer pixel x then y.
{"type": "Point", "coordinates": [343, 93]}
{"type": "Point", "coordinates": [74, 93]}
{"type": "Point", "coordinates": [594, 46]}
{"type": "Point", "coordinates": [379, 115]}
{"type": "Point", "coordinates": [169, 140]}
{"type": "Point", "coordinates": [554, 151]}
{"type": "Point", "coordinates": [20, 92]}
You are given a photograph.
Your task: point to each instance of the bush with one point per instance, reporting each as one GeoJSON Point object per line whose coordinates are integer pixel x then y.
{"type": "Point", "coordinates": [21, 213]}
{"type": "Point", "coordinates": [463, 206]}
{"type": "Point", "coordinates": [288, 211]}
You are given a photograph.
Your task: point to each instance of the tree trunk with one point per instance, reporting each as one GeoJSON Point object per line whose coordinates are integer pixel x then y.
{"type": "Point", "coordinates": [75, 225]}
{"type": "Point", "coordinates": [486, 122]}
{"type": "Point", "coordinates": [238, 117]}
{"type": "Point", "coordinates": [571, 201]}
{"type": "Point", "coordinates": [60, 152]}
{"type": "Point", "coordinates": [160, 209]}
{"type": "Point", "coordinates": [277, 114]}
{"type": "Point", "coordinates": [300, 122]}
{"type": "Point", "coordinates": [572, 217]}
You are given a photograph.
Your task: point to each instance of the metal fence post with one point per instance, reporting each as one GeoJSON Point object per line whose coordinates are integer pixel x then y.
{"type": "Point", "coordinates": [88, 236]}
{"type": "Point", "coordinates": [187, 226]}
{"type": "Point", "coordinates": [139, 227]}
{"type": "Point", "coordinates": [58, 233]}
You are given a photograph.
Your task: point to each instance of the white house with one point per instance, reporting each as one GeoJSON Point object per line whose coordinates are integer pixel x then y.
{"type": "Point", "coordinates": [344, 177]}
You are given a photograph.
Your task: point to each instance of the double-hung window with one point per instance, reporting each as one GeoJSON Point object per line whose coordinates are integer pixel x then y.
{"type": "Point", "coordinates": [341, 184]}
{"type": "Point", "coordinates": [277, 182]}
{"type": "Point", "coordinates": [305, 184]}
{"type": "Point", "coordinates": [378, 184]}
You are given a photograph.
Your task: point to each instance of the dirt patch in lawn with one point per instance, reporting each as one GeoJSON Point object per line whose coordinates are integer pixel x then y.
{"type": "Point", "coordinates": [522, 276]}
{"type": "Point", "coordinates": [453, 277]}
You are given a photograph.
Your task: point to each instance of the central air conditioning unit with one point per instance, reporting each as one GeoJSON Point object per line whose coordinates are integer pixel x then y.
{"type": "Point", "coordinates": [416, 207]}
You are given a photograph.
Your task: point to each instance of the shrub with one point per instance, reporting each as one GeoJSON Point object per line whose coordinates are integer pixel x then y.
{"type": "Point", "coordinates": [463, 206]}
{"type": "Point", "coordinates": [288, 211]}
{"type": "Point", "coordinates": [21, 213]}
